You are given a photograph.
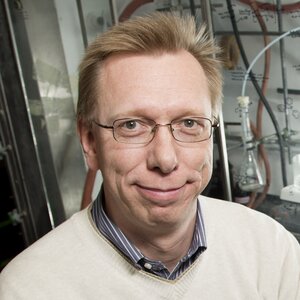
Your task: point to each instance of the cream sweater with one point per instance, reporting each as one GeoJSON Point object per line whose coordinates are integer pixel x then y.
{"type": "Point", "coordinates": [249, 256]}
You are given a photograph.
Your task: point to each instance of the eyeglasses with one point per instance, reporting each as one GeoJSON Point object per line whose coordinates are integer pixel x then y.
{"type": "Point", "coordinates": [142, 131]}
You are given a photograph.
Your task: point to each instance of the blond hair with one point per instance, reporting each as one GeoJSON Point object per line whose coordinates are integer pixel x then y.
{"type": "Point", "coordinates": [155, 33]}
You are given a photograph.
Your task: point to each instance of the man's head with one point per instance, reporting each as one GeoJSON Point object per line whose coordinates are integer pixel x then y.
{"type": "Point", "coordinates": [153, 34]}
{"type": "Point", "coordinates": [147, 73]}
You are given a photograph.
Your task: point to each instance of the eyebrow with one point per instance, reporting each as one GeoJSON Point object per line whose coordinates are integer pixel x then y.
{"type": "Point", "coordinates": [142, 113]}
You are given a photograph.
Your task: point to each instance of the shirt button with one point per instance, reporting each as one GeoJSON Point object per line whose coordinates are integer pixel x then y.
{"type": "Point", "coordinates": [148, 266]}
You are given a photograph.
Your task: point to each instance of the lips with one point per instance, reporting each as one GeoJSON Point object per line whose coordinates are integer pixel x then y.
{"type": "Point", "coordinates": [160, 194]}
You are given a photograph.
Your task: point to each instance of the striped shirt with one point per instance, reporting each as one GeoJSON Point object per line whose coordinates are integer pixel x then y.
{"type": "Point", "coordinates": [119, 240]}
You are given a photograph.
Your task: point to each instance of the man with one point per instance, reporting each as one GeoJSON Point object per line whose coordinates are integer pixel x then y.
{"type": "Point", "coordinates": [149, 95]}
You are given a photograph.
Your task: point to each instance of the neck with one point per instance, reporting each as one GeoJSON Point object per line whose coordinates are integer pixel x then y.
{"type": "Point", "coordinates": [168, 247]}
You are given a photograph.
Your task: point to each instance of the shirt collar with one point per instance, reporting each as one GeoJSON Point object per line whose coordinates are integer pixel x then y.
{"type": "Point", "coordinates": [118, 239]}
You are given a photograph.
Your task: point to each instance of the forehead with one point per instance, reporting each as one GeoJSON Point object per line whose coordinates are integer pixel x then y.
{"type": "Point", "coordinates": [168, 84]}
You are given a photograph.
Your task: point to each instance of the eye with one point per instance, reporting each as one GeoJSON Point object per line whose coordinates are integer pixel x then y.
{"type": "Point", "coordinates": [131, 124]}
{"type": "Point", "coordinates": [189, 123]}
{"type": "Point", "coordinates": [131, 127]}
{"type": "Point", "coordinates": [128, 124]}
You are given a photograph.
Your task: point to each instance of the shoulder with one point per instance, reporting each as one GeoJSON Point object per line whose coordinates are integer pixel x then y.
{"type": "Point", "coordinates": [240, 225]}
{"type": "Point", "coordinates": [59, 261]}
{"type": "Point", "coordinates": [231, 212]}
{"type": "Point", "coordinates": [48, 250]}
{"type": "Point", "coordinates": [250, 248]}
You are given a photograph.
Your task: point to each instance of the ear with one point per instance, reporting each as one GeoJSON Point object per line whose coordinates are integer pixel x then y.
{"type": "Point", "coordinates": [88, 143]}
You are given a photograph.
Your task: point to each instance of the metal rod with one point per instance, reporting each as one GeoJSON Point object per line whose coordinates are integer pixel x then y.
{"type": "Point", "coordinates": [114, 12]}
{"type": "Point", "coordinates": [82, 23]}
{"type": "Point", "coordinates": [9, 160]}
{"type": "Point", "coordinates": [206, 16]}
{"type": "Point", "coordinates": [192, 7]}
{"type": "Point", "coordinates": [17, 59]}
{"type": "Point", "coordinates": [284, 83]}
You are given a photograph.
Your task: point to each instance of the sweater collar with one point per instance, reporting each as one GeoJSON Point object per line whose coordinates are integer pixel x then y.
{"type": "Point", "coordinates": [114, 234]}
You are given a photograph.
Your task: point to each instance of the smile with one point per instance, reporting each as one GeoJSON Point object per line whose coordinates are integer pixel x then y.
{"type": "Point", "coordinates": [161, 195]}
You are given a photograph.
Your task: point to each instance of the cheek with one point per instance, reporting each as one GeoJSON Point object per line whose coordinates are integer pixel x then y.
{"type": "Point", "coordinates": [201, 162]}
{"type": "Point", "coordinates": [202, 157]}
{"type": "Point", "coordinates": [118, 160]}
{"type": "Point", "coordinates": [207, 167]}
{"type": "Point", "coordinates": [209, 160]}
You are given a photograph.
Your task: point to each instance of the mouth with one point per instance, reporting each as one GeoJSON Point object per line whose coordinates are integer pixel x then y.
{"type": "Point", "coordinates": [161, 195]}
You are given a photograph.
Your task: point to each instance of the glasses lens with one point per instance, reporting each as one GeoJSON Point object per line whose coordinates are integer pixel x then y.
{"type": "Point", "coordinates": [141, 131]}
{"type": "Point", "coordinates": [133, 131]}
{"type": "Point", "coordinates": [191, 130]}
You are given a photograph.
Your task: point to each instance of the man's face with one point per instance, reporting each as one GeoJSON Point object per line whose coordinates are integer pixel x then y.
{"type": "Point", "coordinates": [157, 183]}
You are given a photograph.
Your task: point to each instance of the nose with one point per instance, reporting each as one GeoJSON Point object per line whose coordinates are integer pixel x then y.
{"type": "Point", "coordinates": [162, 151]}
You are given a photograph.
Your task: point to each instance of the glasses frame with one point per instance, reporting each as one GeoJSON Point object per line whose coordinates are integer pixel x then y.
{"type": "Point", "coordinates": [112, 127]}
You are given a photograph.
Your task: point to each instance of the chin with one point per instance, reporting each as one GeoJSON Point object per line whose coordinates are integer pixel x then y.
{"type": "Point", "coordinates": [167, 217]}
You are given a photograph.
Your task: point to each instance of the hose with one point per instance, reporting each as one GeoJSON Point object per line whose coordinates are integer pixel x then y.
{"type": "Point", "coordinates": [262, 97]}
{"type": "Point", "coordinates": [249, 68]}
{"type": "Point", "coordinates": [257, 132]}
{"type": "Point", "coordinates": [131, 8]}
{"type": "Point", "coordinates": [258, 135]}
